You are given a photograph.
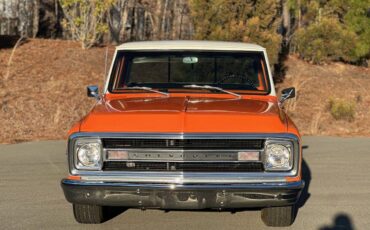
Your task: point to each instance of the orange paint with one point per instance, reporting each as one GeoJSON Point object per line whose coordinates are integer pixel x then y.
{"type": "Point", "coordinates": [185, 113]}
{"type": "Point", "coordinates": [75, 128]}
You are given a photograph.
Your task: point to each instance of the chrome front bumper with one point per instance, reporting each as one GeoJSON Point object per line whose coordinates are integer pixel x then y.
{"type": "Point", "coordinates": [182, 196]}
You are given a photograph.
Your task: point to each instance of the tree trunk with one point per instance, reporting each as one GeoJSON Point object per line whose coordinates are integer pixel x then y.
{"type": "Point", "coordinates": [163, 22]}
{"type": "Point", "coordinates": [130, 20]}
{"type": "Point", "coordinates": [19, 17]}
{"type": "Point", "coordinates": [299, 13]}
{"type": "Point", "coordinates": [286, 19]}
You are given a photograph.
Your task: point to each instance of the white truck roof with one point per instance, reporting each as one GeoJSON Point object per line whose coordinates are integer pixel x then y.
{"type": "Point", "coordinates": [190, 45]}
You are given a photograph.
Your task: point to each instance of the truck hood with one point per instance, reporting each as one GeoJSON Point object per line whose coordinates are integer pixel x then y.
{"type": "Point", "coordinates": [185, 115]}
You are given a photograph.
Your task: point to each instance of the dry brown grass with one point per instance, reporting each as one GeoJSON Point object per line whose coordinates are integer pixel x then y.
{"type": "Point", "coordinates": [316, 85]}
{"type": "Point", "coordinates": [45, 92]}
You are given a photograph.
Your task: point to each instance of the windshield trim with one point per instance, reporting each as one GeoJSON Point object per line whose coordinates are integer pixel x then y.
{"type": "Point", "coordinates": [114, 75]}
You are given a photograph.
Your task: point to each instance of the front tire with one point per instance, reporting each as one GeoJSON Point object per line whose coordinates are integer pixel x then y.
{"type": "Point", "coordinates": [88, 214]}
{"type": "Point", "coordinates": [278, 216]}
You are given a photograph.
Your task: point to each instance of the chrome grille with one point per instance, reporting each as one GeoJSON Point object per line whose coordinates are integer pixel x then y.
{"type": "Point", "coordinates": [184, 143]}
{"type": "Point", "coordinates": [184, 166]}
{"type": "Point", "coordinates": [187, 155]}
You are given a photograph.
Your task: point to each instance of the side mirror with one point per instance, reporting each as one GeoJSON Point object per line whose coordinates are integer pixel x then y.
{"type": "Point", "coordinates": [286, 94]}
{"type": "Point", "coordinates": [93, 91]}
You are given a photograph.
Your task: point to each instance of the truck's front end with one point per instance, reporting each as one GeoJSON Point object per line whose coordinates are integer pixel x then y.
{"type": "Point", "coordinates": [186, 125]}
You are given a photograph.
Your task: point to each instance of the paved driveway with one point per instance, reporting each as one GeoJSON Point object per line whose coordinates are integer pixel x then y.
{"type": "Point", "coordinates": [337, 175]}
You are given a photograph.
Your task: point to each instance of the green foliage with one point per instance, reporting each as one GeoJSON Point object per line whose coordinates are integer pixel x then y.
{"type": "Point", "coordinates": [342, 110]}
{"type": "Point", "coordinates": [239, 20]}
{"type": "Point", "coordinates": [358, 21]}
{"type": "Point", "coordinates": [318, 30]}
{"type": "Point", "coordinates": [324, 41]}
{"type": "Point", "coordinates": [84, 19]}
{"type": "Point", "coordinates": [333, 30]}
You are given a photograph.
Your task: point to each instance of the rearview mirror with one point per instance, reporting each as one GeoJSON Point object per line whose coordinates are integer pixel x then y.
{"type": "Point", "coordinates": [286, 94]}
{"type": "Point", "coordinates": [93, 91]}
{"type": "Point", "coordinates": [190, 60]}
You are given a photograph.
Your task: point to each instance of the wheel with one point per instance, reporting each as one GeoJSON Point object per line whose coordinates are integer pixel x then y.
{"type": "Point", "coordinates": [278, 216]}
{"type": "Point", "coordinates": [88, 214]}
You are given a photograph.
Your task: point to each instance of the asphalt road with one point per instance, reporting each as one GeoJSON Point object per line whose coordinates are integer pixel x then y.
{"type": "Point", "coordinates": [338, 196]}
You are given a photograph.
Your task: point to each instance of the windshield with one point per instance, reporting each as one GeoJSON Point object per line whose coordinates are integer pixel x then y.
{"type": "Point", "coordinates": [166, 71]}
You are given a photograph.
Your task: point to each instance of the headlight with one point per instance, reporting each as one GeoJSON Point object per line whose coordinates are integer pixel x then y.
{"type": "Point", "coordinates": [278, 156]}
{"type": "Point", "coordinates": [88, 154]}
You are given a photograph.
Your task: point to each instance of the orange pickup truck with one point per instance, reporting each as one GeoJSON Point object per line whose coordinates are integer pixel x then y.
{"type": "Point", "coordinates": [186, 125]}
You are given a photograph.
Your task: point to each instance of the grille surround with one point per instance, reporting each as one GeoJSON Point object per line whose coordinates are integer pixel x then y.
{"type": "Point", "coordinates": [186, 177]}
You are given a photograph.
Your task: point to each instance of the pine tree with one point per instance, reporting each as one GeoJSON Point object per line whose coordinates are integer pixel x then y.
{"type": "Point", "coordinates": [336, 30]}
{"type": "Point", "coordinates": [239, 20]}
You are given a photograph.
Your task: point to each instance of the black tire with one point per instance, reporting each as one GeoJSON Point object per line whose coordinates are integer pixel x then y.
{"type": "Point", "coordinates": [278, 216]}
{"type": "Point", "coordinates": [88, 214]}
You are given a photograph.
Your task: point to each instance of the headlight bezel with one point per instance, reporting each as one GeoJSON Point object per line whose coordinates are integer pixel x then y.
{"type": "Point", "coordinates": [80, 142]}
{"type": "Point", "coordinates": [287, 144]}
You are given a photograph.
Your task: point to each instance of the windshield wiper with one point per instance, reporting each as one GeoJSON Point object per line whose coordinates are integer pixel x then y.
{"type": "Point", "coordinates": [212, 87]}
{"type": "Point", "coordinates": [147, 89]}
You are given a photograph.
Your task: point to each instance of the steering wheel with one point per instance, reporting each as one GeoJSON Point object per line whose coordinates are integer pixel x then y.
{"type": "Point", "coordinates": [237, 76]}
